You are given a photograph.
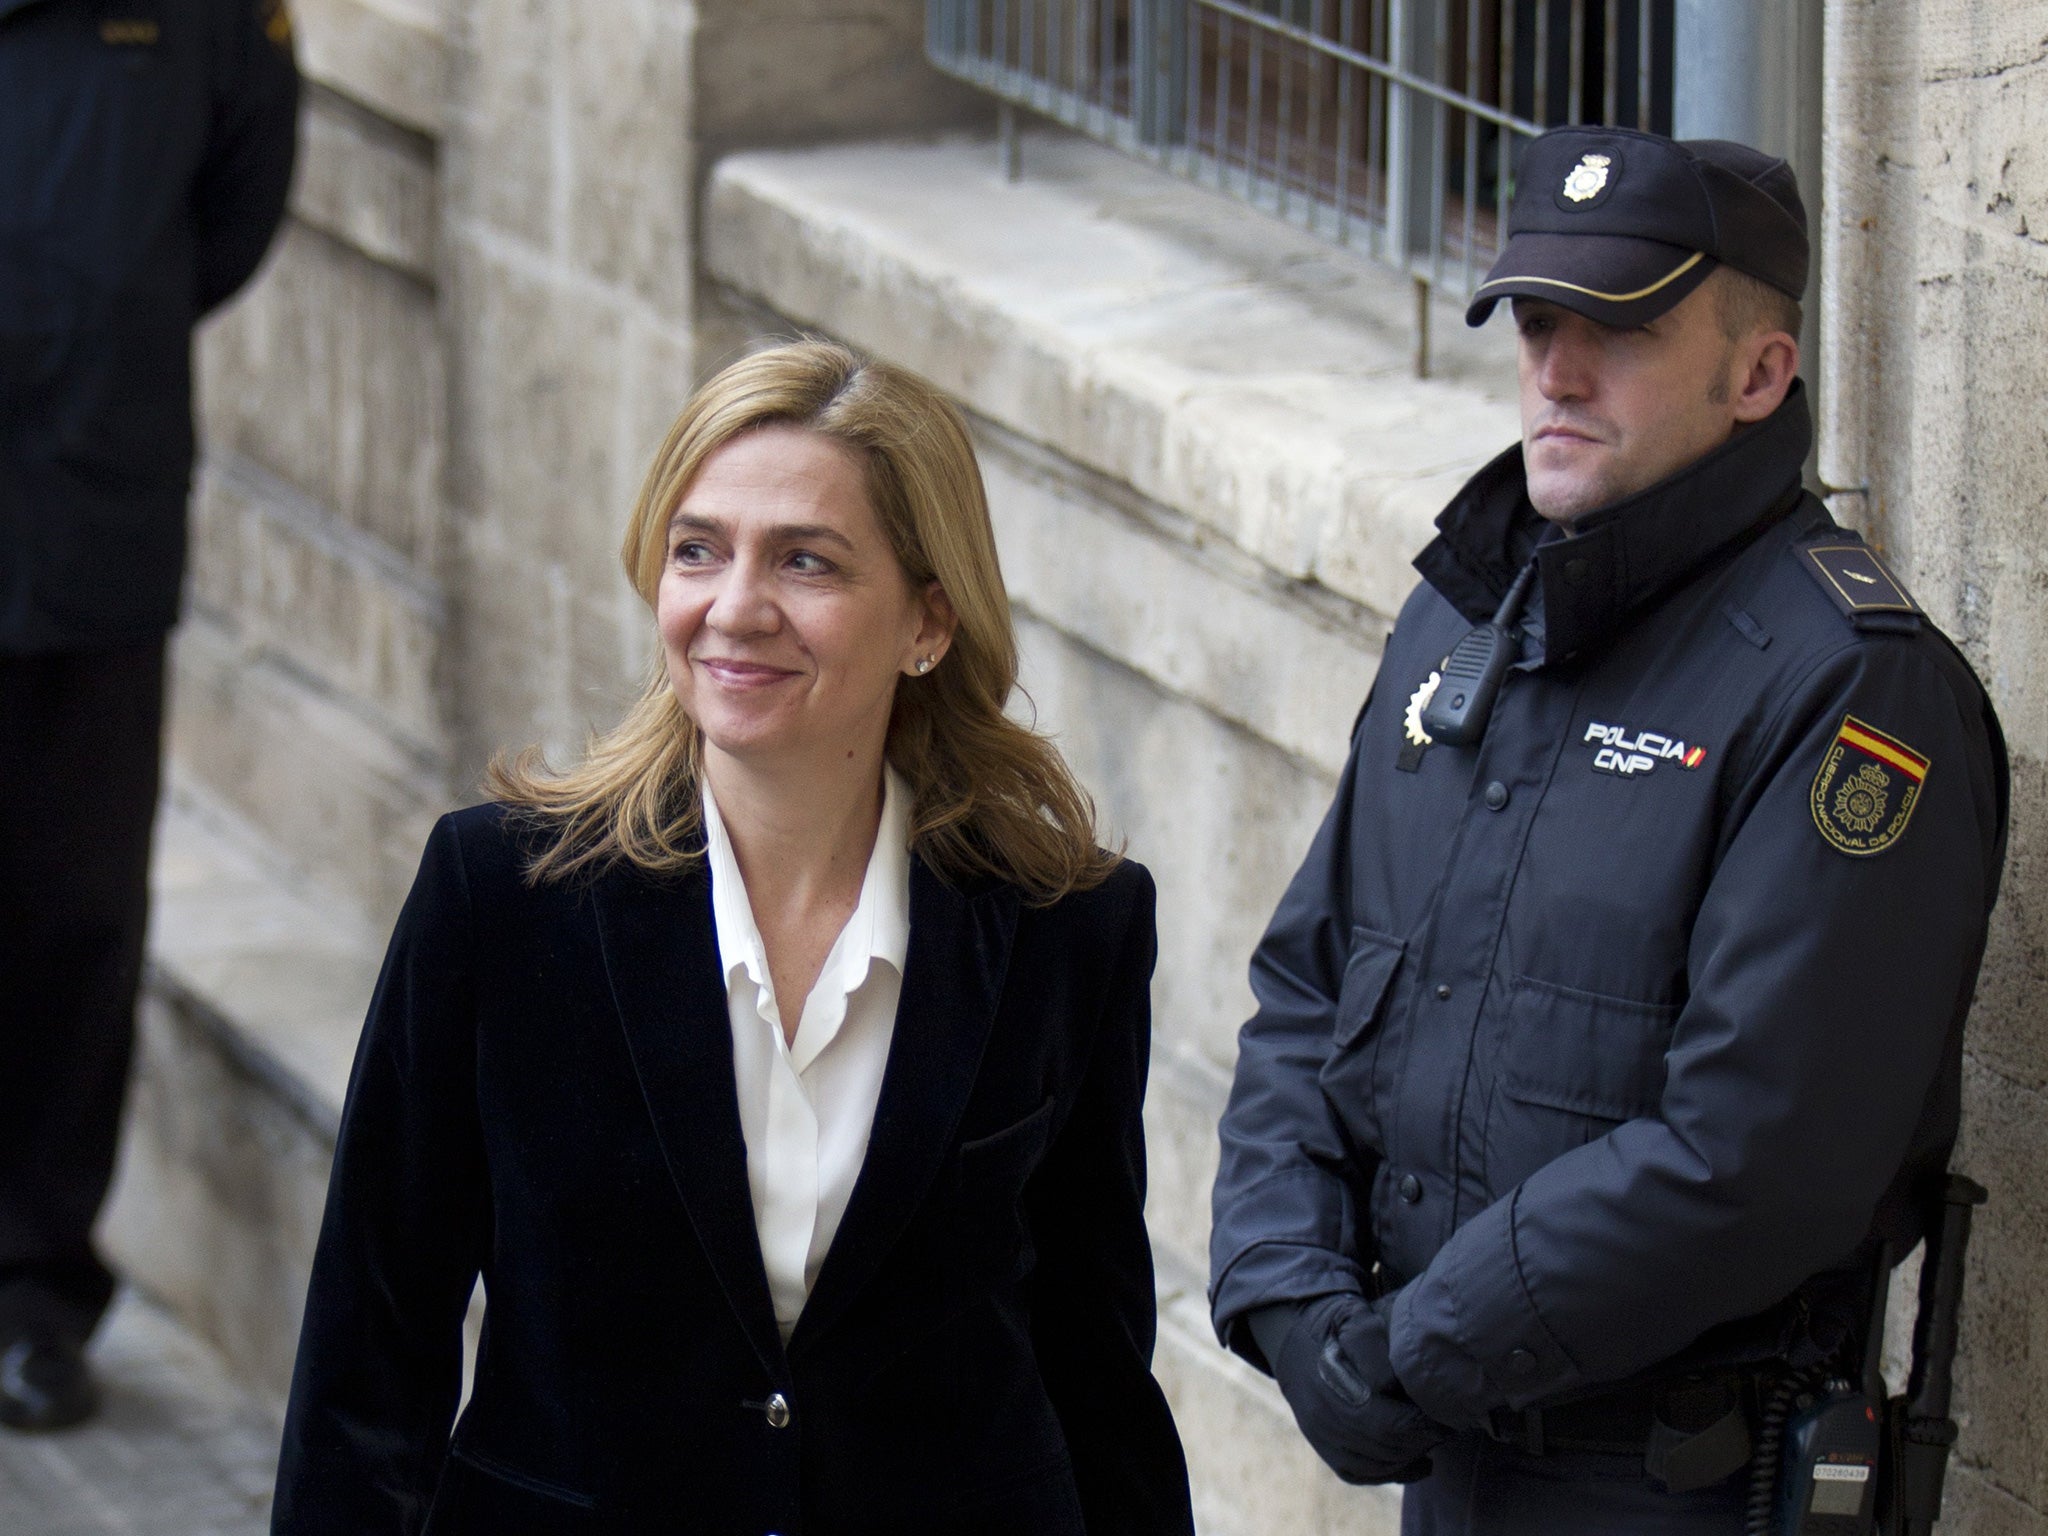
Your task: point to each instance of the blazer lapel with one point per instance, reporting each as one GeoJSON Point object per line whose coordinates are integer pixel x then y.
{"type": "Point", "coordinates": [661, 954]}
{"type": "Point", "coordinates": [952, 983]}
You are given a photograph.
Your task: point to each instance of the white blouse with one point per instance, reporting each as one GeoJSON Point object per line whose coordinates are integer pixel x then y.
{"type": "Point", "coordinates": [806, 1106]}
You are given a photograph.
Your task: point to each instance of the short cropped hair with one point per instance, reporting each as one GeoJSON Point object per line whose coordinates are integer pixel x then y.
{"type": "Point", "coordinates": [1748, 304]}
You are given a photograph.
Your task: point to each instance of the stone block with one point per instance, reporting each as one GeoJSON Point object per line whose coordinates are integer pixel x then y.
{"type": "Point", "coordinates": [1220, 817]}
{"type": "Point", "coordinates": [332, 791]}
{"type": "Point", "coordinates": [787, 71]}
{"type": "Point", "coordinates": [1215, 361]}
{"type": "Point", "coordinates": [255, 997]}
{"type": "Point", "coordinates": [540, 464]}
{"type": "Point", "coordinates": [293, 580]}
{"type": "Point", "coordinates": [1221, 631]}
{"type": "Point", "coordinates": [502, 160]}
{"type": "Point", "coordinates": [329, 373]}
{"type": "Point", "coordinates": [1183, 1102]}
{"type": "Point", "coordinates": [390, 55]}
{"type": "Point", "coordinates": [367, 183]}
{"type": "Point", "coordinates": [1253, 1474]}
{"type": "Point", "coordinates": [2004, 1355]}
{"type": "Point", "coordinates": [629, 126]}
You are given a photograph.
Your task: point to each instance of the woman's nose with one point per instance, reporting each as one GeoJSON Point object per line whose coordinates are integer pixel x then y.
{"type": "Point", "coordinates": [744, 602]}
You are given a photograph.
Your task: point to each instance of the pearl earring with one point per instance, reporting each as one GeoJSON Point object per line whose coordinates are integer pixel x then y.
{"type": "Point", "coordinates": [924, 665]}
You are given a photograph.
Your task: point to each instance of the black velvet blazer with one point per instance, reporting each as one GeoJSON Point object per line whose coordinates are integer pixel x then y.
{"type": "Point", "coordinates": [544, 1095]}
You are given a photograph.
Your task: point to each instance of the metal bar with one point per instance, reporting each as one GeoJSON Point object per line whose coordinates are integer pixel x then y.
{"type": "Point", "coordinates": [1006, 137]}
{"type": "Point", "coordinates": [1191, 106]}
{"type": "Point", "coordinates": [1313, 139]}
{"type": "Point", "coordinates": [1610, 64]}
{"type": "Point", "coordinates": [1105, 17]}
{"type": "Point", "coordinates": [1347, 16]}
{"type": "Point", "coordinates": [1541, 103]}
{"type": "Point", "coordinates": [1375, 149]}
{"type": "Point", "coordinates": [1225, 43]}
{"type": "Point", "coordinates": [1421, 326]}
{"type": "Point", "coordinates": [1577, 46]}
{"type": "Point", "coordinates": [1439, 139]}
{"type": "Point", "coordinates": [1392, 73]}
{"type": "Point", "coordinates": [1504, 166]}
{"type": "Point", "coordinates": [1471, 140]}
{"type": "Point", "coordinates": [1255, 85]}
{"type": "Point", "coordinates": [1643, 56]}
{"type": "Point", "coordinates": [1282, 139]}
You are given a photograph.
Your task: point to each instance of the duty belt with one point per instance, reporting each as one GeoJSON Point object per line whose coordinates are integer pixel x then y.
{"type": "Point", "coordinates": [1689, 1432]}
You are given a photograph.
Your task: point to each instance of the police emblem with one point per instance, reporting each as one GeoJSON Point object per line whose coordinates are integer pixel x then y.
{"type": "Point", "coordinates": [1588, 177]}
{"type": "Point", "coordinates": [1416, 740]}
{"type": "Point", "coordinates": [1866, 788]}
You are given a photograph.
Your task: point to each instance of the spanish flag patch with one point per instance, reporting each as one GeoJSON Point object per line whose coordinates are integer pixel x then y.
{"type": "Point", "coordinates": [1866, 788]}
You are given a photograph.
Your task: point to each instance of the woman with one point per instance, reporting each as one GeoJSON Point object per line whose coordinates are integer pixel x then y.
{"type": "Point", "coordinates": [778, 1067]}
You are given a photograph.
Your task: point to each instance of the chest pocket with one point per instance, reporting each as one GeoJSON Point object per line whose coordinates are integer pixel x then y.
{"type": "Point", "coordinates": [1368, 978]}
{"type": "Point", "coordinates": [1572, 1066]}
{"type": "Point", "coordinates": [990, 1236]}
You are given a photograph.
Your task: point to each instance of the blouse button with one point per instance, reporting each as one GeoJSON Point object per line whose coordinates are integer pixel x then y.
{"type": "Point", "coordinates": [1410, 1188]}
{"type": "Point", "coordinates": [778, 1412]}
{"type": "Point", "coordinates": [1496, 795]}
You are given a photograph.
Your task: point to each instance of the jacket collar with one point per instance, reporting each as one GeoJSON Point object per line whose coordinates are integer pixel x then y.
{"type": "Point", "coordinates": [661, 955]}
{"type": "Point", "coordinates": [1621, 556]}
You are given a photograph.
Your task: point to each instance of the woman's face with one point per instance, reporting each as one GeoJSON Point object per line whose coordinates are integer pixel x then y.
{"type": "Point", "coordinates": [785, 618]}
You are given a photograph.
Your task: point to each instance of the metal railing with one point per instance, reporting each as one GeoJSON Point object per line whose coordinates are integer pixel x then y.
{"type": "Point", "coordinates": [1389, 126]}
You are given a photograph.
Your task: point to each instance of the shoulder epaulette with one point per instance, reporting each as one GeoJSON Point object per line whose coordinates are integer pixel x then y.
{"type": "Point", "coordinates": [1859, 583]}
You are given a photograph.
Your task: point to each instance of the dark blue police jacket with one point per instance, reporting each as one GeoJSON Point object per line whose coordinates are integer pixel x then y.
{"type": "Point", "coordinates": [145, 149]}
{"type": "Point", "coordinates": [1622, 1040]}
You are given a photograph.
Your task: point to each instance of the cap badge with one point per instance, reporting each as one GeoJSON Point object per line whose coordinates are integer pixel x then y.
{"type": "Point", "coordinates": [1588, 177]}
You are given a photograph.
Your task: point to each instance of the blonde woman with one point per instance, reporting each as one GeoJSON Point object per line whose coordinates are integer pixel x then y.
{"type": "Point", "coordinates": [778, 1066]}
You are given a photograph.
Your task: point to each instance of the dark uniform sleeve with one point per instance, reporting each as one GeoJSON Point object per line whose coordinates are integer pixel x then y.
{"type": "Point", "coordinates": [1823, 989]}
{"type": "Point", "coordinates": [1284, 1222]}
{"type": "Point", "coordinates": [1094, 1309]}
{"type": "Point", "coordinates": [239, 197]}
{"type": "Point", "coordinates": [407, 1224]}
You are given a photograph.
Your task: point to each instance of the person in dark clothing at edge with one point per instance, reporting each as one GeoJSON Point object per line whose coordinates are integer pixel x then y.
{"type": "Point", "coordinates": [145, 149]}
{"type": "Point", "coordinates": [1604, 1049]}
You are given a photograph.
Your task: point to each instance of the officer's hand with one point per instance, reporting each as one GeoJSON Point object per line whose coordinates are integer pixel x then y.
{"type": "Point", "coordinates": [1335, 1374]}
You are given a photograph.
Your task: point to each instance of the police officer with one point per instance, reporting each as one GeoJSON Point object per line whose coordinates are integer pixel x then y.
{"type": "Point", "coordinates": [1610, 1032]}
{"type": "Point", "coordinates": [145, 149]}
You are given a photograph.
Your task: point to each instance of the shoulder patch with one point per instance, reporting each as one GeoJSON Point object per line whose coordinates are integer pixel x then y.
{"type": "Point", "coordinates": [1865, 790]}
{"type": "Point", "coordinates": [1859, 583]}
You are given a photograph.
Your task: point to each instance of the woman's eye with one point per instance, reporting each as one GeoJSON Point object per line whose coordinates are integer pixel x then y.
{"type": "Point", "coordinates": [804, 563]}
{"type": "Point", "coordinates": [690, 552]}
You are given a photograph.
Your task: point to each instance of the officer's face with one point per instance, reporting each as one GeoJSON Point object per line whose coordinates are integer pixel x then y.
{"type": "Point", "coordinates": [1607, 412]}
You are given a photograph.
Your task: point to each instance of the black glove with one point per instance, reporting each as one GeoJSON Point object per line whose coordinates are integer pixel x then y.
{"type": "Point", "coordinates": [1335, 1373]}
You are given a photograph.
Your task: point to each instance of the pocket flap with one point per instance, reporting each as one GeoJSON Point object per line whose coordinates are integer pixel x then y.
{"type": "Point", "coordinates": [1368, 975]}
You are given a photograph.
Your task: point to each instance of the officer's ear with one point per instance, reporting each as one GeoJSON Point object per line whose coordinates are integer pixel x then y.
{"type": "Point", "coordinates": [1766, 362]}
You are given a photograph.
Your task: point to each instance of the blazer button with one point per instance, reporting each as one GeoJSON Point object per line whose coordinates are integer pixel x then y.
{"type": "Point", "coordinates": [778, 1412]}
{"type": "Point", "coordinates": [1410, 1188]}
{"type": "Point", "coordinates": [1520, 1362]}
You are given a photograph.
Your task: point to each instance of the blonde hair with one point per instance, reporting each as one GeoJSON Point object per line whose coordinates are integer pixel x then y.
{"type": "Point", "coordinates": [989, 796]}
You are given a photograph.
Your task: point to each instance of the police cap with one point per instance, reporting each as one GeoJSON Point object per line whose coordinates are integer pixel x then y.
{"type": "Point", "coordinates": [1620, 225]}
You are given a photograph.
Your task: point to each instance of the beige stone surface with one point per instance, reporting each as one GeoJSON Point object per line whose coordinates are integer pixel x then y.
{"type": "Point", "coordinates": [341, 797]}
{"type": "Point", "coordinates": [299, 583]}
{"type": "Point", "coordinates": [329, 373]}
{"type": "Point", "coordinates": [367, 182]}
{"type": "Point", "coordinates": [1219, 817]}
{"type": "Point", "coordinates": [1937, 284]}
{"type": "Point", "coordinates": [782, 71]}
{"type": "Point", "coordinates": [390, 55]}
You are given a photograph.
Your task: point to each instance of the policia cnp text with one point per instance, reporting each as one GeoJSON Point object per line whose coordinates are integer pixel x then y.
{"type": "Point", "coordinates": [1608, 1039]}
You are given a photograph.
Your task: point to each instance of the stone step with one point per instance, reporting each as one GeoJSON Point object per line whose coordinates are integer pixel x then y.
{"type": "Point", "coordinates": [179, 1446]}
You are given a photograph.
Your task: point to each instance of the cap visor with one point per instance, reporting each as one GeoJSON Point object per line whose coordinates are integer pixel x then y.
{"type": "Point", "coordinates": [1619, 280]}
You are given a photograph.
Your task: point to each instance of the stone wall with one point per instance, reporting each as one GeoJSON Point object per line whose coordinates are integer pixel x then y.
{"type": "Point", "coordinates": [1936, 222]}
